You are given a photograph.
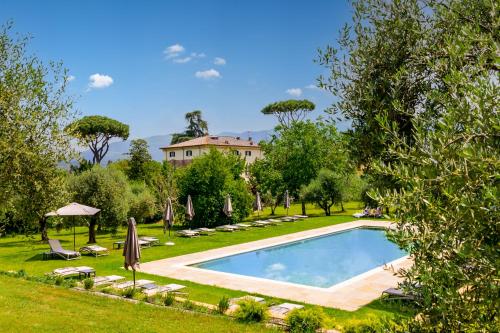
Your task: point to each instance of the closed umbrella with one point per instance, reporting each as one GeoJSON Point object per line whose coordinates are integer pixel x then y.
{"type": "Point", "coordinates": [258, 203]}
{"type": "Point", "coordinates": [74, 209]}
{"type": "Point", "coordinates": [286, 201]}
{"type": "Point", "coordinates": [168, 219]}
{"type": "Point", "coordinates": [228, 207]}
{"type": "Point", "coordinates": [131, 249]}
{"type": "Point", "coordinates": [189, 210]}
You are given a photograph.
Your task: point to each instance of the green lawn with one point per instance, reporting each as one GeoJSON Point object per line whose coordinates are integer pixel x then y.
{"type": "Point", "coordinates": [23, 253]}
{"type": "Point", "coordinates": [33, 307]}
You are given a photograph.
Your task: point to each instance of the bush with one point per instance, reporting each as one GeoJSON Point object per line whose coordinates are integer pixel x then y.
{"type": "Point", "coordinates": [59, 281]}
{"type": "Point", "coordinates": [305, 320]}
{"type": "Point", "coordinates": [188, 305]}
{"type": "Point", "coordinates": [223, 305]}
{"type": "Point", "coordinates": [169, 299]}
{"type": "Point", "coordinates": [129, 293]}
{"type": "Point", "coordinates": [88, 283]}
{"type": "Point", "coordinates": [141, 202]}
{"type": "Point", "coordinates": [251, 311]}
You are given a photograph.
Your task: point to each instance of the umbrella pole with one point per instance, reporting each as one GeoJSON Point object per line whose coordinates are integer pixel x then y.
{"type": "Point", "coordinates": [134, 277]}
{"type": "Point", "coordinates": [74, 235]}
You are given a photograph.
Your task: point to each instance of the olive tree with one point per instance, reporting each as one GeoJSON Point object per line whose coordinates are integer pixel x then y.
{"type": "Point", "coordinates": [96, 132]}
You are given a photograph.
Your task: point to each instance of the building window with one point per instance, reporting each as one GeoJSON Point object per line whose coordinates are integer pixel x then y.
{"type": "Point", "coordinates": [248, 153]}
{"type": "Point", "coordinates": [236, 152]}
{"type": "Point", "coordinates": [189, 153]}
{"type": "Point", "coordinates": [171, 154]}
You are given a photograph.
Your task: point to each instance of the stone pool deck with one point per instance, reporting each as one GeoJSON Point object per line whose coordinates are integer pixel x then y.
{"type": "Point", "coordinates": [349, 295]}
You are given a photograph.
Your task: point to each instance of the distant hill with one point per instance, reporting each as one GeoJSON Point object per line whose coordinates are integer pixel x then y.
{"type": "Point", "coordinates": [118, 150]}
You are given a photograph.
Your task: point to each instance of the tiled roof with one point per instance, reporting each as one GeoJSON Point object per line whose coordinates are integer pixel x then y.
{"type": "Point", "coordinates": [214, 140]}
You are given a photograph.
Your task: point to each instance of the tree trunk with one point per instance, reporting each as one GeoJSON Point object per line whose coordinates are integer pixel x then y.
{"type": "Point", "coordinates": [303, 207]}
{"type": "Point", "coordinates": [386, 210]}
{"type": "Point", "coordinates": [43, 229]}
{"type": "Point", "coordinates": [92, 231]}
{"type": "Point", "coordinates": [342, 206]}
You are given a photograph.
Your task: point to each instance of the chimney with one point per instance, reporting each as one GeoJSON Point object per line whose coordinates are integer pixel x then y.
{"type": "Point", "coordinates": [249, 138]}
{"type": "Point", "coordinates": [237, 138]}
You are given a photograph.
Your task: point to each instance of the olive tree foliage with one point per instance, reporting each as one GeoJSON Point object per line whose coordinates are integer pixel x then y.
{"type": "Point", "coordinates": [268, 181]}
{"type": "Point", "coordinates": [139, 159]}
{"type": "Point", "coordinates": [142, 202]}
{"type": "Point", "coordinates": [197, 127]}
{"type": "Point", "coordinates": [208, 179]}
{"type": "Point", "coordinates": [289, 111]}
{"type": "Point", "coordinates": [447, 207]}
{"type": "Point", "coordinates": [34, 109]}
{"type": "Point", "coordinates": [96, 132]}
{"type": "Point", "coordinates": [106, 189]}
{"type": "Point", "coordinates": [325, 190]}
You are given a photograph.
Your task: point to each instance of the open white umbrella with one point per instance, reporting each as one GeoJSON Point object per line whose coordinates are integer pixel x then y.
{"type": "Point", "coordinates": [189, 210]}
{"type": "Point", "coordinates": [168, 219]}
{"type": "Point", "coordinates": [228, 207]}
{"type": "Point", "coordinates": [74, 209]}
{"type": "Point", "coordinates": [258, 203]}
{"type": "Point", "coordinates": [131, 248]}
{"type": "Point", "coordinates": [286, 201]}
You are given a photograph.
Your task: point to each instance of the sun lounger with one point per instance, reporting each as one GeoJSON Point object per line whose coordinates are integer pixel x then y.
{"type": "Point", "coordinates": [130, 284]}
{"type": "Point", "coordinates": [95, 250]}
{"type": "Point", "coordinates": [187, 233]}
{"type": "Point", "coordinates": [84, 271]}
{"type": "Point", "coordinates": [281, 310]}
{"type": "Point", "coordinates": [260, 224]}
{"type": "Point", "coordinates": [234, 302]}
{"type": "Point", "coordinates": [153, 289]}
{"type": "Point", "coordinates": [273, 222]}
{"type": "Point", "coordinates": [301, 216]}
{"type": "Point", "coordinates": [396, 293]}
{"type": "Point", "coordinates": [227, 228]}
{"type": "Point", "coordinates": [289, 219]}
{"type": "Point", "coordinates": [243, 226]}
{"type": "Point", "coordinates": [56, 248]}
{"type": "Point", "coordinates": [205, 231]}
{"type": "Point", "coordinates": [151, 240]}
{"type": "Point", "coordinates": [107, 280]}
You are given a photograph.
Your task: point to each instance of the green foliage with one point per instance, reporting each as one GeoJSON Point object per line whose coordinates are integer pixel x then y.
{"type": "Point", "coordinates": [223, 305]}
{"type": "Point", "coordinates": [106, 189]}
{"type": "Point", "coordinates": [197, 127]}
{"type": "Point", "coordinates": [88, 283]}
{"type": "Point", "coordinates": [142, 204]}
{"type": "Point", "coordinates": [188, 305]}
{"type": "Point", "coordinates": [139, 158]}
{"type": "Point", "coordinates": [59, 281]}
{"type": "Point", "coordinates": [169, 299]}
{"type": "Point", "coordinates": [325, 190]}
{"type": "Point", "coordinates": [131, 293]}
{"type": "Point", "coordinates": [290, 111]}
{"type": "Point", "coordinates": [251, 311]}
{"type": "Point", "coordinates": [34, 110]}
{"type": "Point", "coordinates": [305, 320]}
{"type": "Point", "coordinates": [96, 132]}
{"type": "Point", "coordinates": [208, 179]}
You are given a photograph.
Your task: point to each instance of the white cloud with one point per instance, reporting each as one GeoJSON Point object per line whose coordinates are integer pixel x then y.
{"type": "Point", "coordinates": [173, 51]}
{"type": "Point", "coordinates": [219, 61]}
{"type": "Point", "coordinates": [311, 86]}
{"type": "Point", "coordinates": [70, 78]}
{"type": "Point", "coordinates": [295, 92]}
{"type": "Point", "coordinates": [100, 81]}
{"type": "Point", "coordinates": [182, 60]}
{"type": "Point", "coordinates": [208, 74]}
{"type": "Point", "coordinates": [198, 55]}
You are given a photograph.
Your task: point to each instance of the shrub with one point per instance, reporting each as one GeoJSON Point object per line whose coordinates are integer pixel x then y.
{"type": "Point", "coordinates": [223, 305]}
{"type": "Point", "coordinates": [188, 305]}
{"type": "Point", "coordinates": [129, 293]}
{"type": "Point", "coordinates": [88, 283]}
{"type": "Point", "coordinates": [169, 299]}
{"type": "Point", "coordinates": [59, 281]}
{"type": "Point", "coordinates": [142, 203]}
{"type": "Point", "coordinates": [305, 320]}
{"type": "Point", "coordinates": [251, 311]}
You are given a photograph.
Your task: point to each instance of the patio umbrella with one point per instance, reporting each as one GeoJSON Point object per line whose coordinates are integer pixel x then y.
{"type": "Point", "coordinates": [74, 209]}
{"type": "Point", "coordinates": [131, 249]}
{"type": "Point", "coordinates": [189, 210]}
{"type": "Point", "coordinates": [228, 207]}
{"type": "Point", "coordinates": [258, 203]}
{"type": "Point", "coordinates": [168, 219]}
{"type": "Point", "coordinates": [286, 201]}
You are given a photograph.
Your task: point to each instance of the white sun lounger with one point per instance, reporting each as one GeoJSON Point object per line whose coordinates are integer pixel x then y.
{"type": "Point", "coordinates": [169, 288]}
{"type": "Point", "coordinates": [150, 240]}
{"type": "Point", "coordinates": [243, 226]}
{"type": "Point", "coordinates": [281, 310]}
{"type": "Point", "coordinates": [227, 228]}
{"type": "Point", "coordinates": [130, 284]}
{"type": "Point", "coordinates": [205, 231]}
{"type": "Point", "coordinates": [260, 224]}
{"type": "Point", "coordinates": [95, 250]}
{"type": "Point", "coordinates": [107, 280]}
{"type": "Point", "coordinates": [187, 233]}
{"type": "Point", "coordinates": [69, 271]}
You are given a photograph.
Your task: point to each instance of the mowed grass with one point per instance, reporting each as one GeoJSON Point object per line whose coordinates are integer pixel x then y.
{"type": "Point", "coordinates": [24, 253]}
{"type": "Point", "coordinates": [33, 307]}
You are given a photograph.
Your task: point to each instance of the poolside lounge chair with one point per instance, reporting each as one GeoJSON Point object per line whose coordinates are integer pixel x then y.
{"type": "Point", "coordinates": [289, 219]}
{"type": "Point", "coordinates": [95, 250]}
{"type": "Point", "coordinates": [273, 222]}
{"type": "Point", "coordinates": [151, 240]}
{"type": "Point", "coordinates": [260, 224]}
{"type": "Point", "coordinates": [281, 310]}
{"type": "Point", "coordinates": [205, 231]}
{"type": "Point", "coordinates": [107, 280]}
{"type": "Point", "coordinates": [56, 248]}
{"type": "Point", "coordinates": [396, 293]}
{"type": "Point", "coordinates": [130, 284]}
{"type": "Point", "coordinates": [227, 228]}
{"type": "Point", "coordinates": [243, 226]}
{"type": "Point", "coordinates": [187, 233]}
{"type": "Point", "coordinates": [300, 217]}
{"type": "Point", "coordinates": [72, 271]}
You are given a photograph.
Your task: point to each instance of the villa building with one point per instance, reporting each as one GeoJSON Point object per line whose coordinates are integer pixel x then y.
{"type": "Point", "coordinates": [181, 154]}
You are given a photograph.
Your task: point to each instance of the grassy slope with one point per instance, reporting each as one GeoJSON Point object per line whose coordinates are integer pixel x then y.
{"type": "Point", "coordinates": [46, 308]}
{"type": "Point", "coordinates": [21, 253]}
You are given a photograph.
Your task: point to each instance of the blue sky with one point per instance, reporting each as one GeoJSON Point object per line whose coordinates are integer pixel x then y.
{"type": "Point", "coordinates": [156, 60]}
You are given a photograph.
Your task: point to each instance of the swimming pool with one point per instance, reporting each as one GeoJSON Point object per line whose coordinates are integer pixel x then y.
{"type": "Point", "coordinates": [320, 261]}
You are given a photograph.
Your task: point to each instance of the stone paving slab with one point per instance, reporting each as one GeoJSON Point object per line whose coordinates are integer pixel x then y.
{"type": "Point", "coordinates": [349, 295]}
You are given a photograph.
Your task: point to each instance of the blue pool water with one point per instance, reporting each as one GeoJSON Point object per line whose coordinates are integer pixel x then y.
{"type": "Point", "coordinates": [320, 262]}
